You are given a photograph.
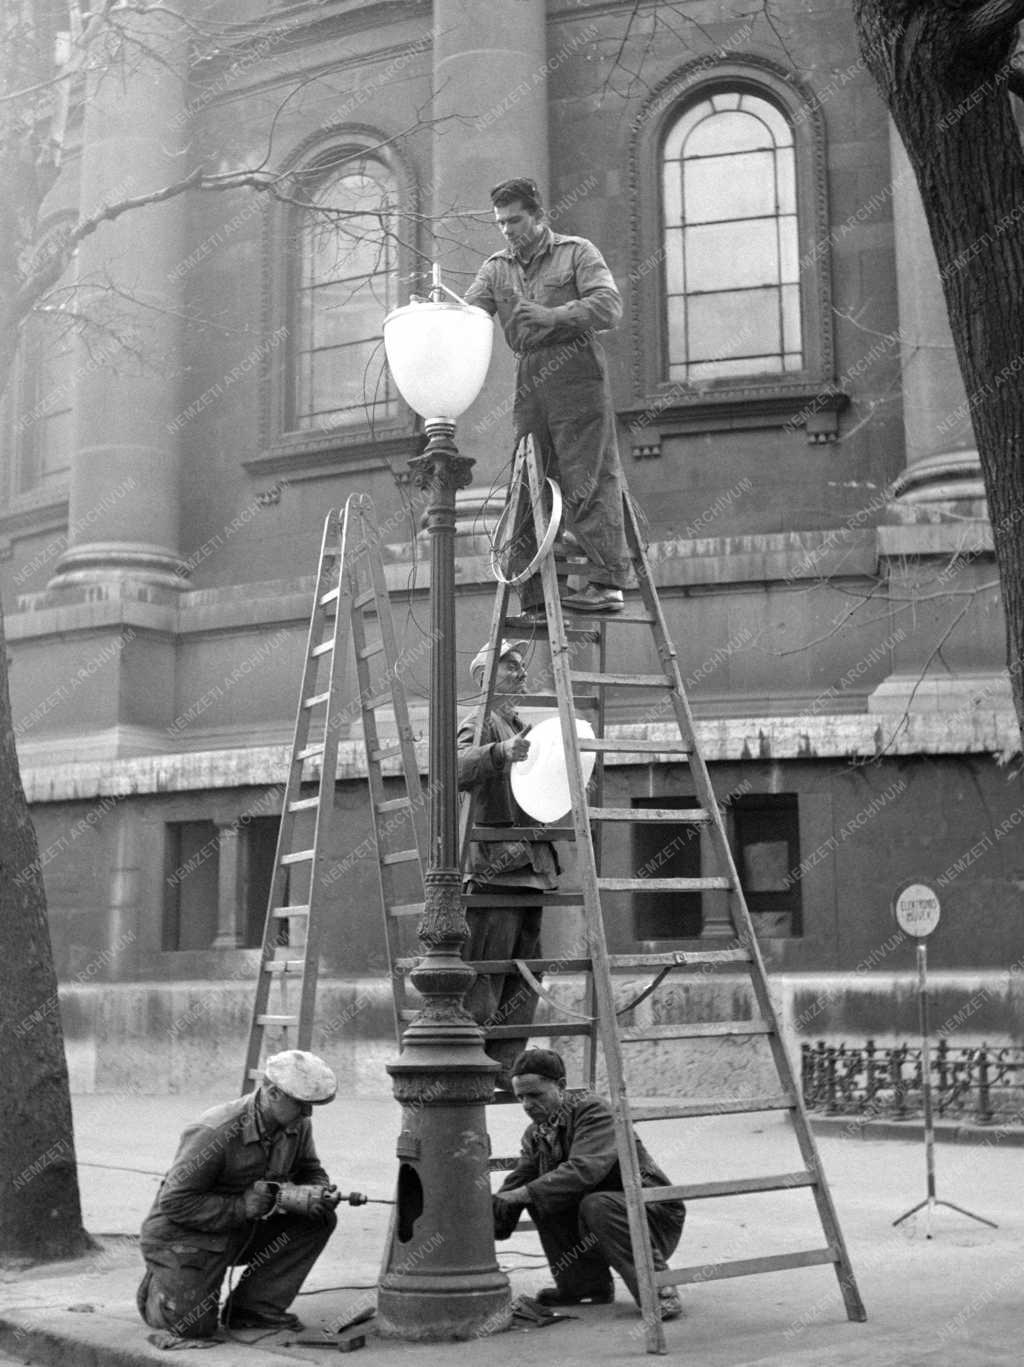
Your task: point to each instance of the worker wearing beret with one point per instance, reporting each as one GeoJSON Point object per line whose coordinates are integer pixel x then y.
{"type": "Point", "coordinates": [214, 1210]}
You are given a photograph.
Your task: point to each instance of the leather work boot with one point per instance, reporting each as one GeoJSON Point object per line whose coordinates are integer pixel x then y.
{"type": "Point", "coordinates": [595, 598]}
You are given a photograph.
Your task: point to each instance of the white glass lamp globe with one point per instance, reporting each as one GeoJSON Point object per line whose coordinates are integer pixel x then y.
{"type": "Point", "coordinates": [438, 354]}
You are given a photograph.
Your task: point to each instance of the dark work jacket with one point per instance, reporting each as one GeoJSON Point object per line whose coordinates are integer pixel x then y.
{"type": "Point", "coordinates": [511, 863]}
{"type": "Point", "coordinates": [201, 1200]}
{"type": "Point", "coordinates": [579, 1157]}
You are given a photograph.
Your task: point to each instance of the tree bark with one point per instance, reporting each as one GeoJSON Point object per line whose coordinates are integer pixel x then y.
{"type": "Point", "coordinates": [944, 72]}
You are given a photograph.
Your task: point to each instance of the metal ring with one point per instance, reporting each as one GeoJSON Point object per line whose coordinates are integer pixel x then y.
{"type": "Point", "coordinates": [543, 549]}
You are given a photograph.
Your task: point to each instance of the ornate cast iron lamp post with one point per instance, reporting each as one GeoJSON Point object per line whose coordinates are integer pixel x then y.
{"type": "Point", "coordinates": [441, 1279]}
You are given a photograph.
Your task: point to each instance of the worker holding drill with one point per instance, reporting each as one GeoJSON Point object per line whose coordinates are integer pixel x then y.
{"type": "Point", "coordinates": [246, 1187]}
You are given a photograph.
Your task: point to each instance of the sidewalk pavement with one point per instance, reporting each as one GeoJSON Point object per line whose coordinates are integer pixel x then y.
{"type": "Point", "coordinates": [941, 1288]}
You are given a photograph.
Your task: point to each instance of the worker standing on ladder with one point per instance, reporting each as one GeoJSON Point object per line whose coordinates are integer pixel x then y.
{"type": "Point", "coordinates": [507, 868]}
{"type": "Point", "coordinates": [568, 1176]}
{"type": "Point", "coordinates": [552, 294]}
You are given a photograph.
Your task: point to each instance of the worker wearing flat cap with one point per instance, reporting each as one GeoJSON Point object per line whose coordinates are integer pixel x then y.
{"type": "Point", "coordinates": [219, 1207]}
{"type": "Point", "coordinates": [516, 868]}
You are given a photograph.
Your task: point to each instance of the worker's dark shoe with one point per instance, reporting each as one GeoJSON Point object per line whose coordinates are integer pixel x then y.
{"type": "Point", "coordinates": [241, 1318]}
{"type": "Point", "coordinates": [554, 1295]}
{"type": "Point", "coordinates": [669, 1304]}
{"type": "Point", "coordinates": [595, 598]}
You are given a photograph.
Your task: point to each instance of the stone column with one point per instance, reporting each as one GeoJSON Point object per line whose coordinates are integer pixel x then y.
{"type": "Point", "coordinates": [124, 499]}
{"type": "Point", "coordinates": [230, 886]}
{"type": "Point", "coordinates": [942, 470]}
{"type": "Point", "coordinates": [490, 122]}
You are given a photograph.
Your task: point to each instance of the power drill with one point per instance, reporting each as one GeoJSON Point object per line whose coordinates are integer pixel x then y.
{"type": "Point", "coordinates": [292, 1199]}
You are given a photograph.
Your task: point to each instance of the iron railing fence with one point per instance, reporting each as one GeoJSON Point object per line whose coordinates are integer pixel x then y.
{"type": "Point", "coordinates": [984, 1083]}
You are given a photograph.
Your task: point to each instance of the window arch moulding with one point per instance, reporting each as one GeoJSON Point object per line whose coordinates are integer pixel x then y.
{"type": "Point", "coordinates": [771, 124]}
{"type": "Point", "coordinates": [327, 403]}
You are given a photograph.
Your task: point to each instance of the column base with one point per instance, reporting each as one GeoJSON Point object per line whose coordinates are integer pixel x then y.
{"type": "Point", "coordinates": [122, 563]}
{"type": "Point", "coordinates": [946, 486]}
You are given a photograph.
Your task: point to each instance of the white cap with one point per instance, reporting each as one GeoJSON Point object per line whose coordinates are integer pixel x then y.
{"type": "Point", "coordinates": [479, 660]}
{"type": "Point", "coordinates": [303, 1076]}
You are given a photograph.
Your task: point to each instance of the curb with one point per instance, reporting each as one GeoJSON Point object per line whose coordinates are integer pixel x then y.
{"type": "Point", "coordinates": [946, 1131]}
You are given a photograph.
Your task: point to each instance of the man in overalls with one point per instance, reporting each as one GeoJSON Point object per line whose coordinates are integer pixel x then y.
{"type": "Point", "coordinates": [553, 294]}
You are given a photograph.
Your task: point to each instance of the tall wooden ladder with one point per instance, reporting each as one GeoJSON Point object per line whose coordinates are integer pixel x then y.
{"type": "Point", "coordinates": [310, 875]}
{"type": "Point", "coordinates": [728, 940]}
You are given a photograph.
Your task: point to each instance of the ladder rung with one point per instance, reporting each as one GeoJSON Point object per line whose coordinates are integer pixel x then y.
{"type": "Point", "coordinates": [536, 896]}
{"type": "Point", "coordinates": [277, 1020]}
{"type": "Point", "coordinates": [737, 1186]}
{"type": "Point", "coordinates": [311, 751]}
{"type": "Point", "coordinates": [392, 804]}
{"type": "Point", "coordinates": [692, 1030]}
{"type": "Point", "coordinates": [367, 652]}
{"type": "Point", "coordinates": [400, 857]}
{"type": "Point", "coordinates": [485, 834]}
{"type": "Point", "coordinates": [282, 912]}
{"type": "Point", "coordinates": [620, 680]}
{"type": "Point", "coordinates": [384, 699]}
{"type": "Point", "coordinates": [385, 752]}
{"type": "Point", "coordinates": [322, 648]}
{"type": "Point", "coordinates": [681, 958]}
{"type": "Point", "coordinates": [331, 596]}
{"type": "Point", "coordinates": [299, 857]}
{"type": "Point", "coordinates": [315, 699]}
{"type": "Point", "coordinates": [535, 965]}
{"type": "Point", "coordinates": [535, 1030]}
{"type": "Point", "coordinates": [680, 815]}
{"type": "Point", "coordinates": [406, 909]}
{"type": "Point", "coordinates": [616, 745]}
{"type": "Point", "coordinates": [282, 967]}
{"type": "Point", "coordinates": [545, 699]}
{"type": "Point", "coordinates": [361, 600]}
{"type": "Point", "coordinates": [742, 1267]}
{"type": "Point", "coordinates": [663, 884]}
{"type": "Point", "coordinates": [303, 804]}
{"type": "Point", "coordinates": [687, 1110]}
{"type": "Point", "coordinates": [528, 626]}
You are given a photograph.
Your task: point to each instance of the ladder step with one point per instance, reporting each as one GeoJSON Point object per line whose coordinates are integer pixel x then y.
{"type": "Point", "coordinates": [284, 967]}
{"type": "Point", "coordinates": [281, 913]}
{"type": "Point", "coordinates": [316, 699]}
{"type": "Point", "coordinates": [311, 751]}
{"type": "Point", "coordinates": [682, 958]}
{"type": "Point", "coordinates": [738, 1186]}
{"type": "Point", "coordinates": [589, 676]}
{"type": "Point", "coordinates": [385, 752]}
{"type": "Point", "coordinates": [277, 1020]}
{"type": "Point", "coordinates": [299, 857]}
{"type": "Point", "coordinates": [302, 804]}
{"type": "Point", "coordinates": [392, 804]}
{"type": "Point", "coordinates": [616, 745]}
{"type": "Point", "coordinates": [637, 1034]}
{"type": "Point", "coordinates": [664, 884]}
{"type": "Point", "coordinates": [676, 815]}
{"type": "Point", "coordinates": [367, 652]}
{"type": "Point", "coordinates": [528, 626]}
{"type": "Point", "coordinates": [687, 1110]}
{"type": "Point", "coordinates": [362, 599]}
{"type": "Point", "coordinates": [406, 909]}
{"type": "Point", "coordinates": [742, 1267]}
{"type": "Point", "coordinates": [546, 699]}
{"type": "Point", "coordinates": [374, 700]}
{"type": "Point", "coordinates": [331, 596]}
{"type": "Point", "coordinates": [484, 834]}
{"type": "Point", "coordinates": [400, 857]}
{"type": "Point", "coordinates": [323, 648]}
{"type": "Point", "coordinates": [537, 896]}
{"type": "Point", "coordinates": [535, 1031]}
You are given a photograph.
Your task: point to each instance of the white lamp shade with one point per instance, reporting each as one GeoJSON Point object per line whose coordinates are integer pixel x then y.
{"type": "Point", "coordinates": [438, 354]}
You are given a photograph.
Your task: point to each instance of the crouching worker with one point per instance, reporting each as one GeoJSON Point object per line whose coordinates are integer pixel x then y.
{"type": "Point", "coordinates": [246, 1187]}
{"type": "Point", "coordinates": [568, 1176]}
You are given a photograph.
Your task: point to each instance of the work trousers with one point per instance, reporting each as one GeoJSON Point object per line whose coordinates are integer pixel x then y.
{"type": "Point", "coordinates": [181, 1287]}
{"type": "Point", "coordinates": [564, 402]}
{"type": "Point", "coordinates": [583, 1242]}
{"type": "Point", "coordinates": [503, 998]}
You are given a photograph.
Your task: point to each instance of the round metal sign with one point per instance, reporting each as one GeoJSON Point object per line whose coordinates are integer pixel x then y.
{"type": "Point", "coordinates": [916, 909]}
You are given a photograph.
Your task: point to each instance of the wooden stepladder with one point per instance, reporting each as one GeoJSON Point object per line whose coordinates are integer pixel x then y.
{"type": "Point", "coordinates": [728, 939]}
{"type": "Point", "coordinates": [350, 601]}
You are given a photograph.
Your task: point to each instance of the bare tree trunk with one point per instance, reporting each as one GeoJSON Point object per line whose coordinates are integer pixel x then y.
{"type": "Point", "coordinates": [944, 73]}
{"type": "Point", "coordinates": [40, 1213]}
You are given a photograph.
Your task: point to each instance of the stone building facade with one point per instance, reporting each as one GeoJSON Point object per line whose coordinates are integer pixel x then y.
{"type": "Point", "coordinates": [792, 426]}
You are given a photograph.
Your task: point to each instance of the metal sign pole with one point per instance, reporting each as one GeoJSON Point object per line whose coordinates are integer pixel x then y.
{"type": "Point", "coordinates": [917, 911]}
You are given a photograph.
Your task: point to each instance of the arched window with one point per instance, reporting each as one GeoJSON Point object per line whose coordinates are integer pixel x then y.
{"type": "Point", "coordinates": [730, 283]}
{"type": "Point", "coordinates": [732, 255]}
{"type": "Point", "coordinates": [345, 282]}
